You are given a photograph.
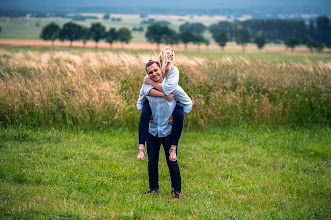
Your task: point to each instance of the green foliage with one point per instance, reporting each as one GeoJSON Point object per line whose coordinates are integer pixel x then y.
{"type": "Point", "coordinates": [187, 37]}
{"type": "Point", "coordinates": [71, 32]}
{"type": "Point", "coordinates": [171, 37]}
{"type": "Point", "coordinates": [239, 172]}
{"type": "Point", "coordinates": [328, 44]}
{"type": "Point", "coordinates": [195, 28]}
{"type": "Point", "coordinates": [221, 38]}
{"type": "Point", "coordinates": [260, 42]}
{"type": "Point", "coordinates": [292, 43]}
{"type": "Point", "coordinates": [124, 35]}
{"type": "Point", "coordinates": [157, 33]}
{"type": "Point", "coordinates": [243, 37]}
{"type": "Point", "coordinates": [111, 35]}
{"type": "Point", "coordinates": [97, 31]}
{"type": "Point", "coordinates": [323, 29]}
{"type": "Point", "coordinates": [50, 32]}
{"type": "Point", "coordinates": [85, 34]}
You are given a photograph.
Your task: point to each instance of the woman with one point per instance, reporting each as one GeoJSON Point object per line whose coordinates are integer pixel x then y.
{"type": "Point", "coordinates": [171, 77]}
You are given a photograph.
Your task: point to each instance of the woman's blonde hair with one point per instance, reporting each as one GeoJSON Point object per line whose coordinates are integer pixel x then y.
{"type": "Point", "coordinates": [165, 65]}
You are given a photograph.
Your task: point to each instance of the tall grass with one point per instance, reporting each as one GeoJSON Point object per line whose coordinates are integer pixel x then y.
{"type": "Point", "coordinates": [62, 89]}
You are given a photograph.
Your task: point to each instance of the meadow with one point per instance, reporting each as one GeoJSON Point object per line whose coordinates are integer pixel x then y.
{"type": "Point", "coordinates": [99, 89]}
{"type": "Point", "coordinates": [230, 173]}
{"type": "Point", "coordinates": [255, 146]}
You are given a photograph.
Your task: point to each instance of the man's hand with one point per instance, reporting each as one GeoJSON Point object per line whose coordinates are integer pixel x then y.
{"type": "Point", "coordinates": [148, 80]}
{"type": "Point", "coordinates": [169, 97]}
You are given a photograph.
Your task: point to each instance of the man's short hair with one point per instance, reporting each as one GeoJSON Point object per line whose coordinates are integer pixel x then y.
{"type": "Point", "coordinates": [151, 62]}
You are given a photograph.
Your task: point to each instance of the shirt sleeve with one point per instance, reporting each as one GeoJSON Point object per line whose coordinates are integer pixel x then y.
{"type": "Point", "coordinates": [182, 97]}
{"type": "Point", "coordinates": [170, 84]}
{"type": "Point", "coordinates": [144, 92]}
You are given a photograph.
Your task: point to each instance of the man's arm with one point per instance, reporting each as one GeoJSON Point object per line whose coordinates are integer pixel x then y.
{"type": "Point", "coordinates": [145, 89]}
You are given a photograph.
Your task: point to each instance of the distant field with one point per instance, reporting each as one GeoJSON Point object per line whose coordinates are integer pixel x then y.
{"type": "Point", "coordinates": [23, 28]}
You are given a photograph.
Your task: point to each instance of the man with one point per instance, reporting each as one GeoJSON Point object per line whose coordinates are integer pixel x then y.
{"type": "Point", "coordinates": [160, 128]}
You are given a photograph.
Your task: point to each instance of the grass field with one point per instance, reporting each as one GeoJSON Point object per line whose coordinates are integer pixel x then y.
{"type": "Point", "coordinates": [238, 172]}
{"type": "Point", "coordinates": [257, 144]}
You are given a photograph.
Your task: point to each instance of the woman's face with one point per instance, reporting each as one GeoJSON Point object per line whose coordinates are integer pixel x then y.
{"type": "Point", "coordinates": [169, 55]}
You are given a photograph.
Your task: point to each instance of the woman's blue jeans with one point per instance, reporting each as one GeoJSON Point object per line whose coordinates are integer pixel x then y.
{"type": "Point", "coordinates": [177, 126]}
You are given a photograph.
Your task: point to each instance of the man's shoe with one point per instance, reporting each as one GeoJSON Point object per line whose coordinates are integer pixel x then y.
{"type": "Point", "coordinates": [176, 196]}
{"type": "Point", "coordinates": [152, 192]}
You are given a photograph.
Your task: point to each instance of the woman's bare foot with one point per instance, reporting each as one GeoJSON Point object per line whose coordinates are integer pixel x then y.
{"type": "Point", "coordinates": [173, 153]}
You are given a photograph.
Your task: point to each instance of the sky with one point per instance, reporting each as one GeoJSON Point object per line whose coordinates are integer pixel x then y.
{"type": "Point", "coordinates": [174, 4]}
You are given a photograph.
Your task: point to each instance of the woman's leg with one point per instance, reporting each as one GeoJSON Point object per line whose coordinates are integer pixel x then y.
{"type": "Point", "coordinates": [177, 127]}
{"type": "Point", "coordinates": [143, 129]}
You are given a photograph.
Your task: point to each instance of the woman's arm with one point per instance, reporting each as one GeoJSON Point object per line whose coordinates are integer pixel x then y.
{"type": "Point", "coordinates": [156, 85]}
{"type": "Point", "coordinates": [170, 83]}
{"type": "Point", "coordinates": [156, 93]}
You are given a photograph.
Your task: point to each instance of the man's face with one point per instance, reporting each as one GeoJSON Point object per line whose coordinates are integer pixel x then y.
{"type": "Point", "coordinates": [154, 72]}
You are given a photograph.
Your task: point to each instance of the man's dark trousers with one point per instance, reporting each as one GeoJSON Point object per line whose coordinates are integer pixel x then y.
{"type": "Point", "coordinates": [153, 150]}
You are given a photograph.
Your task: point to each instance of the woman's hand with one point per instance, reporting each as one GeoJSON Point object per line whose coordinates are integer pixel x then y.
{"type": "Point", "coordinates": [169, 97]}
{"type": "Point", "coordinates": [148, 80]}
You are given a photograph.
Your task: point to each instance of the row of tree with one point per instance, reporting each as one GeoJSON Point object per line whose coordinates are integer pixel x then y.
{"type": "Point", "coordinates": [290, 32]}
{"type": "Point", "coordinates": [315, 34]}
{"type": "Point", "coordinates": [157, 33]}
{"type": "Point", "coordinates": [75, 32]}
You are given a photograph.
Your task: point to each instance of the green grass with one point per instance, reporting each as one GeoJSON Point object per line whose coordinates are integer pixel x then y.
{"type": "Point", "coordinates": [238, 172]}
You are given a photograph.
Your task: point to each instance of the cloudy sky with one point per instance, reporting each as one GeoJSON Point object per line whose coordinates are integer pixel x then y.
{"type": "Point", "coordinates": [175, 4]}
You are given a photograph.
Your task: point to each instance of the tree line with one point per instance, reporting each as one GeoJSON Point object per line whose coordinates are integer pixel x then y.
{"type": "Point", "coordinates": [75, 32]}
{"type": "Point", "coordinates": [315, 35]}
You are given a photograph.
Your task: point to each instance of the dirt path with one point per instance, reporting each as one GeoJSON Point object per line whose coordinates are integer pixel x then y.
{"type": "Point", "coordinates": [136, 46]}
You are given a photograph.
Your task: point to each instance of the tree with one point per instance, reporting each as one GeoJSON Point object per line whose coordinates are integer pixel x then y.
{"type": "Point", "coordinates": [311, 44]}
{"type": "Point", "coordinates": [156, 33]}
{"type": "Point", "coordinates": [50, 32]}
{"type": "Point", "coordinates": [292, 43]}
{"type": "Point", "coordinates": [195, 28]}
{"type": "Point", "coordinates": [231, 28]}
{"type": "Point", "coordinates": [111, 36]}
{"type": "Point", "coordinates": [323, 29]}
{"type": "Point", "coordinates": [221, 38]}
{"type": "Point", "coordinates": [187, 37]}
{"type": "Point", "coordinates": [124, 35]}
{"type": "Point", "coordinates": [86, 35]}
{"type": "Point", "coordinates": [71, 32]}
{"type": "Point", "coordinates": [97, 31]}
{"type": "Point", "coordinates": [198, 39]}
{"type": "Point", "coordinates": [207, 42]}
{"type": "Point", "coordinates": [172, 37]}
{"type": "Point", "coordinates": [243, 38]}
{"type": "Point", "coordinates": [319, 46]}
{"type": "Point", "coordinates": [260, 41]}
{"type": "Point", "coordinates": [328, 44]}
